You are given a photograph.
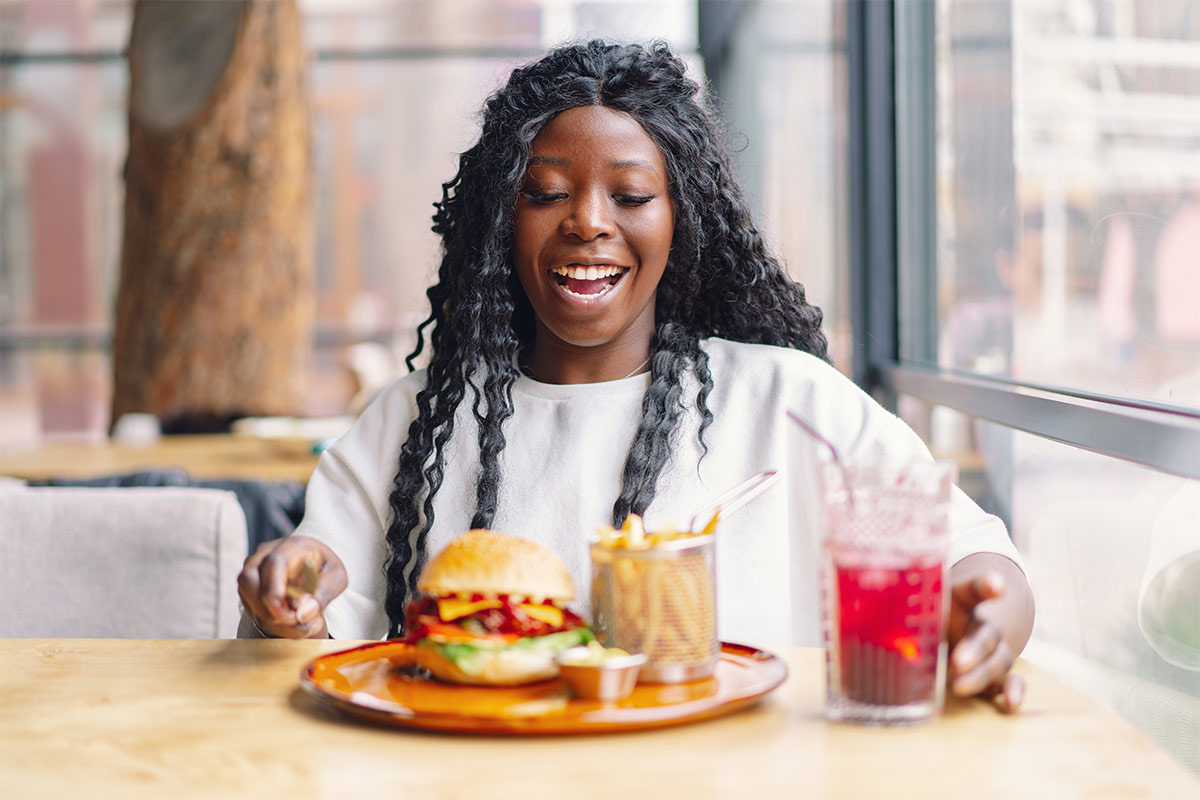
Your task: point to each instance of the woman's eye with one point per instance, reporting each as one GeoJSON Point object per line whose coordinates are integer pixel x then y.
{"type": "Point", "coordinates": [544, 197]}
{"type": "Point", "coordinates": [633, 200]}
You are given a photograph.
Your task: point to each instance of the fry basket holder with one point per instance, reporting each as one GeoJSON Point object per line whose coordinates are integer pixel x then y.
{"type": "Point", "coordinates": [661, 601]}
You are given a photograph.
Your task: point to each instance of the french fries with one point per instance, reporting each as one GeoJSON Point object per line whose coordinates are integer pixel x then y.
{"type": "Point", "coordinates": [633, 536]}
{"type": "Point", "coordinates": [663, 607]}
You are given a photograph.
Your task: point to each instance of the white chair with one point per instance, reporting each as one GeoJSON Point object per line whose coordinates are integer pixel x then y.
{"type": "Point", "coordinates": [120, 562]}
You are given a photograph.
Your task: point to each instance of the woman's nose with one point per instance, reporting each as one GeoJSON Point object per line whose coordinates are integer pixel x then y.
{"type": "Point", "coordinates": [589, 216]}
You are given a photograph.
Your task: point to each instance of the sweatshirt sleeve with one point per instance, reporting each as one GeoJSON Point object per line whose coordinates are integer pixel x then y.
{"type": "Point", "coordinates": [972, 530]}
{"type": "Point", "coordinates": [346, 507]}
{"type": "Point", "coordinates": [861, 428]}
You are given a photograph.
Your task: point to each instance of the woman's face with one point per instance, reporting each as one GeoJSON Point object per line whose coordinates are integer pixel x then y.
{"type": "Point", "coordinates": [592, 231]}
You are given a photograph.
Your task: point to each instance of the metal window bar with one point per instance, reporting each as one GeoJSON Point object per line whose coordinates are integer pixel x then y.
{"type": "Point", "coordinates": [872, 189]}
{"type": "Point", "coordinates": [1167, 440]}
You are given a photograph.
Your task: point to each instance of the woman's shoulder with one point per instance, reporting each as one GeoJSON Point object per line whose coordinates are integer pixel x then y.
{"type": "Point", "coordinates": [388, 414]}
{"type": "Point", "coordinates": [408, 384]}
{"type": "Point", "coordinates": [726, 356]}
{"type": "Point", "coordinates": [763, 376]}
{"type": "Point", "coordinates": [399, 393]}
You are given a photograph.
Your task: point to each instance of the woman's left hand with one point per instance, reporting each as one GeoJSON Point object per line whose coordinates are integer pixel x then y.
{"type": "Point", "coordinates": [980, 654]}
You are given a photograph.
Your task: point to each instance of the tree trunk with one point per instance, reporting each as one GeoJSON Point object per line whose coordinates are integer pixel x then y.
{"type": "Point", "coordinates": [214, 310]}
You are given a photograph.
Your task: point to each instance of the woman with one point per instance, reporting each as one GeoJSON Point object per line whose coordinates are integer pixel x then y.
{"type": "Point", "coordinates": [609, 336]}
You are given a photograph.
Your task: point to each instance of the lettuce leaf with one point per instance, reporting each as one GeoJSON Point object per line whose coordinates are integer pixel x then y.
{"type": "Point", "coordinates": [466, 655]}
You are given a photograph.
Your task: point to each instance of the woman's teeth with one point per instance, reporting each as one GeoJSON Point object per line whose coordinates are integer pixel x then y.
{"type": "Point", "coordinates": [587, 273]}
{"type": "Point", "coordinates": [587, 282]}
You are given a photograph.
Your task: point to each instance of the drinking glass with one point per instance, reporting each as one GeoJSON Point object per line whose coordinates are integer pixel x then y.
{"type": "Point", "coordinates": [883, 595]}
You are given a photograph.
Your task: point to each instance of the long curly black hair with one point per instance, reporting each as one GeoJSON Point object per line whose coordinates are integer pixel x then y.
{"type": "Point", "coordinates": [719, 281]}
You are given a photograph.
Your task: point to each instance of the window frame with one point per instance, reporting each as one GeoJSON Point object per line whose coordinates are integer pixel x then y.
{"type": "Point", "coordinates": [893, 262]}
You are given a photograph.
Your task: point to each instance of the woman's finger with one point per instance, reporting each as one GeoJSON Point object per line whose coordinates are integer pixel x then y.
{"type": "Point", "coordinates": [331, 582]}
{"type": "Point", "coordinates": [307, 609]}
{"type": "Point", "coordinates": [314, 580]}
{"type": "Point", "coordinates": [1014, 692]}
{"type": "Point", "coordinates": [250, 583]}
{"type": "Point", "coordinates": [970, 593]}
{"type": "Point", "coordinates": [248, 589]}
{"type": "Point", "coordinates": [260, 553]}
{"type": "Point", "coordinates": [991, 670]}
{"type": "Point", "coordinates": [287, 575]}
{"type": "Point", "coordinates": [273, 575]}
{"type": "Point", "coordinates": [1006, 694]}
{"type": "Point", "coordinates": [974, 648]}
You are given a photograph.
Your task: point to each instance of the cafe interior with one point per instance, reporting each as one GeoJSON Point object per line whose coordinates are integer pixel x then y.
{"type": "Point", "coordinates": [994, 203]}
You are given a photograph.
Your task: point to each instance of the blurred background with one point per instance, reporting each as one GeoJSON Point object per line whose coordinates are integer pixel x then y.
{"type": "Point", "coordinates": [1041, 175]}
{"type": "Point", "coordinates": [395, 87]}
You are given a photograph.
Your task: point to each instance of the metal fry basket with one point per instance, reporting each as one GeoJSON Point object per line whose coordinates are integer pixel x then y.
{"type": "Point", "coordinates": [661, 601]}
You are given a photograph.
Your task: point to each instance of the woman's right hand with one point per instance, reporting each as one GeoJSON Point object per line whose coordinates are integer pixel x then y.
{"type": "Point", "coordinates": [286, 585]}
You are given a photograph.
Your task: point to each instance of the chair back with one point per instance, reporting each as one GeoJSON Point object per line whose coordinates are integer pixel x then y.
{"type": "Point", "coordinates": [120, 562]}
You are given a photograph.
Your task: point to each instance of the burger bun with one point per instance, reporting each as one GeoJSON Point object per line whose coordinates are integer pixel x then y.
{"type": "Point", "coordinates": [489, 563]}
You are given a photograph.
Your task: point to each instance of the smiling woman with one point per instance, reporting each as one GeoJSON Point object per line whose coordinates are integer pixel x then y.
{"type": "Point", "coordinates": [594, 228]}
{"type": "Point", "coordinates": [592, 234]}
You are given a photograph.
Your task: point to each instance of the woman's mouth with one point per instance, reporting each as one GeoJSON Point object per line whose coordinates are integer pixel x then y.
{"type": "Point", "coordinates": [588, 282]}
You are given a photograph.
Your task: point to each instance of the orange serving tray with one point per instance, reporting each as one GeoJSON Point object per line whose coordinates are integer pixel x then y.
{"type": "Point", "coordinates": [380, 683]}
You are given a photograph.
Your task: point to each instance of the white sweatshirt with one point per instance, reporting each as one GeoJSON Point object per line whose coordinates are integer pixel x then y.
{"type": "Point", "coordinates": [566, 447]}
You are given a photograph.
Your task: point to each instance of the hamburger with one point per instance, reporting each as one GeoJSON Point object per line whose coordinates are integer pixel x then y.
{"type": "Point", "coordinates": [492, 611]}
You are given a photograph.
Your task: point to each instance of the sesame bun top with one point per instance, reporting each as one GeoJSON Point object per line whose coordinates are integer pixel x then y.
{"type": "Point", "coordinates": [490, 563]}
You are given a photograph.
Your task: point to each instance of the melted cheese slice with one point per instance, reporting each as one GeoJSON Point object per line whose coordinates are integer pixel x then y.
{"type": "Point", "coordinates": [452, 608]}
{"type": "Point", "coordinates": [547, 614]}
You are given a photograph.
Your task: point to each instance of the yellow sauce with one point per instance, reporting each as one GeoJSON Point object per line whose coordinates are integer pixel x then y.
{"type": "Point", "coordinates": [595, 656]}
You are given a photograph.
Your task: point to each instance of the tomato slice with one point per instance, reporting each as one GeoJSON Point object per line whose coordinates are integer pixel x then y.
{"type": "Point", "coordinates": [442, 632]}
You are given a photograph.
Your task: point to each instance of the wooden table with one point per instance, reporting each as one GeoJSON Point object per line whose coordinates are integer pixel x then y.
{"type": "Point", "coordinates": [212, 456]}
{"type": "Point", "coordinates": [220, 718]}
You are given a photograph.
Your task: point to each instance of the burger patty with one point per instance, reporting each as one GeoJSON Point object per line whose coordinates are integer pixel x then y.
{"type": "Point", "coordinates": [508, 619]}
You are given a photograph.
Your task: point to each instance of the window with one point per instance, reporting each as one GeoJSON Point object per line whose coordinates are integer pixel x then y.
{"type": "Point", "coordinates": [1048, 212]}
{"type": "Point", "coordinates": [1068, 186]}
{"type": "Point", "coordinates": [779, 71]}
{"type": "Point", "coordinates": [376, 66]}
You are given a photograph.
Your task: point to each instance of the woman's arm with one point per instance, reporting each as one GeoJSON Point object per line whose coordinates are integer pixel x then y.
{"type": "Point", "coordinates": [991, 618]}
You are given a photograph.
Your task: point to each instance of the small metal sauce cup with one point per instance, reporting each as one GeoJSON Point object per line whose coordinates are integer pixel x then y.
{"type": "Point", "coordinates": [612, 679]}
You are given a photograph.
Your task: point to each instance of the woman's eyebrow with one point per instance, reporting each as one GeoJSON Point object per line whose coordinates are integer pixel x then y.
{"type": "Point", "coordinates": [632, 163]}
{"type": "Point", "coordinates": [559, 161]}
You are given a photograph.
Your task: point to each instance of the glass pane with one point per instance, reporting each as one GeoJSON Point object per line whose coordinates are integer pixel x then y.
{"type": "Point", "coordinates": [90, 27]}
{"type": "Point", "coordinates": [396, 86]}
{"type": "Point", "coordinates": [57, 27]}
{"type": "Point", "coordinates": [1068, 194]}
{"type": "Point", "coordinates": [62, 147]}
{"type": "Point", "coordinates": [1112, 550]}
{"type": "Point", "coordinates": [335, 25]}
{"type": "Point", "coordinates": [377, 177]}
{"type": "Point", "coordinates": [783, 96]}
{"type": "Point", "coordinates": [356, 25]}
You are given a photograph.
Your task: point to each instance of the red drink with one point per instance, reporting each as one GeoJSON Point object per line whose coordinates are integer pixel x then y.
{"type": "Point", "coordinates": [882, 590]}
{"type": "Point", "coordinates": [888, 626]}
